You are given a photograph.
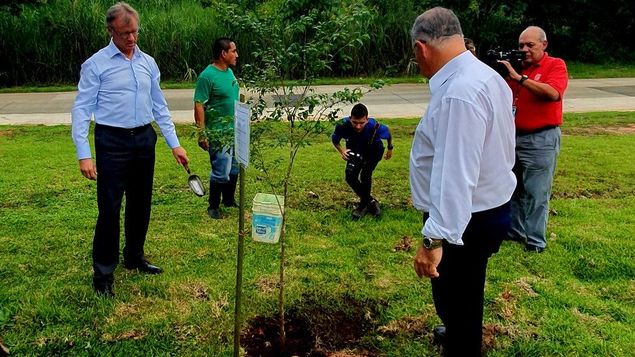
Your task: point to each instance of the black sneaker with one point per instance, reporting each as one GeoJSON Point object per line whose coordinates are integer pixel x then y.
{"type": "Point", "coordinates": [373, 208]}
{"type": "Point", "coordinates": [359, 211]}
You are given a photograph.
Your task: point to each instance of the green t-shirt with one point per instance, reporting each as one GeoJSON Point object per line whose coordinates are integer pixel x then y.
{"type": "Point", "coordinates": [216, 90]}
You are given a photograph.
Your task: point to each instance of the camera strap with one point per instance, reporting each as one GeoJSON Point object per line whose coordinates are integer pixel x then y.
{"type": "Point", "coordinates": [372, 138]}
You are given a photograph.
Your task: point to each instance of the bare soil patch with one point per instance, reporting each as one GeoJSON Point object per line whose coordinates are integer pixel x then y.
{"type": "Point", "coordinates": [628, 129]}
{"type": "Point", "coordinates": [313, 329]}
{"type": "Point", "coordinates": [7, 133]}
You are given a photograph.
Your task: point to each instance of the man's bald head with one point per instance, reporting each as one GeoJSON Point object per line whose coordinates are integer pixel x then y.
{"type": "Point", "coordinates": [532, 41]}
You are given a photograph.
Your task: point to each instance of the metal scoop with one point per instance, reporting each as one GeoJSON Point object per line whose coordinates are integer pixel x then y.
{"type": "Point", "coordinates": [195, 183]}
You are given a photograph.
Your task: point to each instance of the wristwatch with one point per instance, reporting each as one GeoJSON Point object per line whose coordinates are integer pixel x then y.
{"type": "Point", "coordinates": [431, 243]}
{"type": "Point", "coordinates": [390, 147]}
{"type": "Point", "coordinates": [522, 79]}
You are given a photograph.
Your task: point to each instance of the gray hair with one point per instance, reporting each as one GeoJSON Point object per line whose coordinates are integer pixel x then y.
{"type": "Point", "coordinates": [542, 35]}
{"type": "Point", "coordinates": [435, 26]}
{"type": "Point", "coordinates": [117, 10]}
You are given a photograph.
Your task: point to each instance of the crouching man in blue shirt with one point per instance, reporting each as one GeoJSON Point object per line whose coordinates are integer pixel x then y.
{"type": "Point", "coordinates": [364, 150]}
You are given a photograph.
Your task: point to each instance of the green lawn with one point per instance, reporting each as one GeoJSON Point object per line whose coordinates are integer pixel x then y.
{"type": "Point", "coordinates": [352, 282]}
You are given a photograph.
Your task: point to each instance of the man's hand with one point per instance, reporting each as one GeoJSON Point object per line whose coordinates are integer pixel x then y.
{"type": "Point", "coordinates": [180, 155]}
{"type": "Point", "coordinates": [427, 261]}
{"type": "Point", "coordinates": [87, 167]}
{"type": "Point", "coordinates": [203, 143]}
{"type": "Point", "coordinates": [512, 72]}
{"type": "Point", "coordinates": [388, 154]}
{"type": "Point", "coordinates": [344, 154]}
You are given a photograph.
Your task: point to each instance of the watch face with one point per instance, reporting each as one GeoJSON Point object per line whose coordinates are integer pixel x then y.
{"type": "Point", "coordinates": [427, 242]}
{"type": "Point", "coordinates": [430, 243]}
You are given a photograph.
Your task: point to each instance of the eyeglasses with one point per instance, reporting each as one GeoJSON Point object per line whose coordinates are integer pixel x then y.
{"type": "Point", "coordinates": [124, 35]}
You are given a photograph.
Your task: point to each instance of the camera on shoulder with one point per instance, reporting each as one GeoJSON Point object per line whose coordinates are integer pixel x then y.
{"type": "Point", "coordinates": [514, 57]}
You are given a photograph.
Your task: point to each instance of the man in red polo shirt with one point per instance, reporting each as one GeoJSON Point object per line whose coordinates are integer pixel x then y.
{"type": "Point", "coordinates": [538, 91]}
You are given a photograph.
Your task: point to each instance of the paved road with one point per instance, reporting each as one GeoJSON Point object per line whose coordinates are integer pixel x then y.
{"type": "Point", "coordinates": [399, 100]}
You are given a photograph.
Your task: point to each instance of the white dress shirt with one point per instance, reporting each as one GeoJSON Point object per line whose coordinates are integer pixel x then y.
{"type": "Point", "coordinates": [463, 150]}
{"type": "Point", "coordinates": [119, 92]}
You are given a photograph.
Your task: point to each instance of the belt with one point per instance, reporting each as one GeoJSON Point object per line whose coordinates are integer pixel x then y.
{"type": "Point", "coordinates": [125, 131]}
{"type": "Point", "coordinates": [521, 132]}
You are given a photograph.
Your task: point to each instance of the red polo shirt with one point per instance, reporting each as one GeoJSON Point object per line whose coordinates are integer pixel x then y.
{"type": "Point", "coordinates": [533, 112]}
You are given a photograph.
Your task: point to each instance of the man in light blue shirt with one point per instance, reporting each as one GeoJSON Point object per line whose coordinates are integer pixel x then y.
{"type": "Point", "coordinates": [460, 176]}
{"type": "Point", "coordinates": [119, 86]}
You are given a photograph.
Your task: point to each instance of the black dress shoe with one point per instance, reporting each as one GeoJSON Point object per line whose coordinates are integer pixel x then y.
{"type": "Point", "coordinates": [534, 249]}
{"type": "Point", "coordinates": [145, 267]}
{"type": "Point", "coordinates": [104, 290]}
{"type": "Point", "coordinates": [439, 335]}
{"type": "Point", "coordinates": [213, 213]}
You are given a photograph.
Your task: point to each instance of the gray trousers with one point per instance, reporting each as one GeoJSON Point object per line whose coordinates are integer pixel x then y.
{"type": "Point", "coordinates": [536, 157]}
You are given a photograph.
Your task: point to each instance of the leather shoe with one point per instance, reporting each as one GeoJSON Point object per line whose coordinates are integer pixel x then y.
{"type": "Point", "coordinates": [213, 213]}
{"type": "Point", "coordinates": [145, 267]}
{"type": "Point", "coordinates": [534, 249]}
{"type": "Point", "coordinates": [104, 290]}
{"type": "Point", "coordinates": [439, 335]}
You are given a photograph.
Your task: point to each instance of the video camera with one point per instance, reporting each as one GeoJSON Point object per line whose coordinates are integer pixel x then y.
{"type": "Point", "coordinates": [514, 57]}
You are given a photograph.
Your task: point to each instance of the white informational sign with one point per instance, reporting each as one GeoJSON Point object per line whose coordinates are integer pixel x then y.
{"type": "Point", "coordinates": [242, 115]}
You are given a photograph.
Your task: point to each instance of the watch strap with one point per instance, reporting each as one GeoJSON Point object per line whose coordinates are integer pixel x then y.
{"type": "Point", "coordinates": [432, 243]}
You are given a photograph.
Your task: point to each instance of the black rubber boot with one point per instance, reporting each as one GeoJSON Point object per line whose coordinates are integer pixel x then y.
{"type": "Point", "coordinates": [214, 200]}
{"type": "Point", "coordinates": [229, 190]}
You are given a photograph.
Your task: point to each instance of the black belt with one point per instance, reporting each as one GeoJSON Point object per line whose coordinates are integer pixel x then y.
{"type": "Point", "coordinates": [535, 131]}
{"type": "Point", "coordinates": [125, 131]}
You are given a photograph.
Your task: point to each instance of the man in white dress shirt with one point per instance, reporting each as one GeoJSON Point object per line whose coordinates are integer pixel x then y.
{"type": "Point", "coordinates": [460, 176]}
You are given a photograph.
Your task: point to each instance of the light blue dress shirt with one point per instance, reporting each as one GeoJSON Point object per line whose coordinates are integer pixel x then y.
{"type": "Point", "coordinates": [119, 92]}
{"type": "Point", "coordinates": [463, 150]}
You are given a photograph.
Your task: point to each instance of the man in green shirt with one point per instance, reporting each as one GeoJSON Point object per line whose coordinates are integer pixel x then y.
{"type": "Point", "coordinates": [216, 91]}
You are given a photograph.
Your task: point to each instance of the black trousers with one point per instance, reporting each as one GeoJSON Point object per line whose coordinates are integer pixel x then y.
{"type": "Point", "coordinates": [458, 292]}
{"type": "Point", "coordinates": [360, 177]}
{"type": "Point", "coordinates": [125, 164]}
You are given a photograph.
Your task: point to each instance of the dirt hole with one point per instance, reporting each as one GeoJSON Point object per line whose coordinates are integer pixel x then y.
{"type": "Point", "coordinates": [314, 329]}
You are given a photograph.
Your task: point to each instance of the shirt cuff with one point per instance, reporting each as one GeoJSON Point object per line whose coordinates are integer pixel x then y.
{"type": "Point", "coordinates": [172, 140]}
{"type": "Point", "coordinates": [433, 230]}
{"type": "Point", "coordinates": [83, 152]}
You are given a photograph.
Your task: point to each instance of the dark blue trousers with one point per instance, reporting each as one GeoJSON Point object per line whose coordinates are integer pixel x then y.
{"type": "Point", "coordinates": [360, 177]}
{"type": "Point", "coordinates": [458, 292]}
{"type": "Point", "coordinates": [125, 165]}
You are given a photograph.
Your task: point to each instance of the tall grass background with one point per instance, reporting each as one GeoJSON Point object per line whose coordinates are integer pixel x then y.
{"type": "Point", "coordinates": [48, 43]}
{"type": "Point", "coordinates": [45, 41]}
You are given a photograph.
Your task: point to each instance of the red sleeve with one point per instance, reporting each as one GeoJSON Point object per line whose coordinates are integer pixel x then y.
{"type": "Point", "coordinates": [558, 78]}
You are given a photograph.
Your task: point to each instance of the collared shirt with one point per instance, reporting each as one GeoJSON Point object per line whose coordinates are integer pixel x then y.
{"type": "Point", "coordinates": [533, 112]}
{"type": "Point", "coordinates": [119, 92]}
{"type": "Point", "coordinates": [463, 150]}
